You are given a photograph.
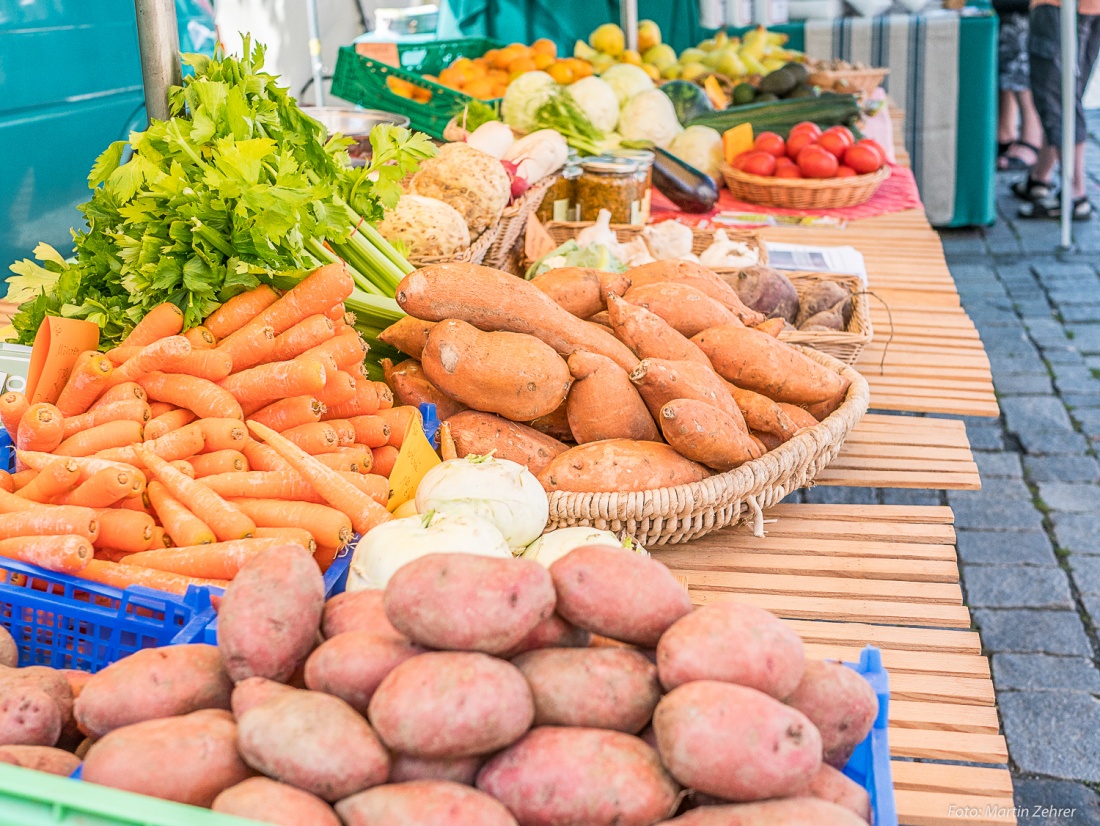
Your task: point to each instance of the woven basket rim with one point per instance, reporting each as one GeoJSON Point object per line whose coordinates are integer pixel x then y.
{"type": "Point", "coordinates": [851, 182]}
{"type": "Point", "coordinates": [859, 331]}
{"type": "Point", "coordinates": [848, 74]}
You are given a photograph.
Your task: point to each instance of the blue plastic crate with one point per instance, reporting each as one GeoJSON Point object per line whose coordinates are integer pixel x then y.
{"type": "Point", "coordinates": [7, 451]}
{"type": "Point", "coordinates": [870, 763]}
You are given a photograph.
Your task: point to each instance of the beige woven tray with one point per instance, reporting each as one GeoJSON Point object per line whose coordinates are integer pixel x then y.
{"type": "Point", "coordinates": [562, 231]}
{"type": "Point", "coordinates": [686, 512]}
{"type": "Point", "coordinates": [476, 253]}
{"type": "Point", "coordinates": [803, 193]}
{"type": "Point", "coordinates": [857, 81]}
{"type": "Point", "coordinates": [845, 345]}
{"type": "Point", "coordinates": [513, 223]}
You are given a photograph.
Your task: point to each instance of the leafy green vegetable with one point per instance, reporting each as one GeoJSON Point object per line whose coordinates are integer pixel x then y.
{"type": "Point", "coordinates": [571, 254]}
{"type": "Point", "coordinates": [475, 113]}
{"type": "Point", "coordinates": [562, 114]}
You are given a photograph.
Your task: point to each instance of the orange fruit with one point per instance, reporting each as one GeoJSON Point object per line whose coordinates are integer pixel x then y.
{"type": "Point", "coordinates": [452, 76]}
{"type": "Point", "coordinates": [581, 68]}
{"type": "Point", "coordinates": [498, 76]}
{"type": "Point", "coordinates": [400, 87]}
{"type": "Point", "coordinates": [521, 65]}
{"type": "Point", "coordinates": [477, 68]}
{"type": "Point", "coordinates": [562, 72]}
{"type": "Point", "coordinates": [543, 60]}
{"type": "Point", "coordinates": [489, 56]}
{"type": "Point", "coordinates": [421, 95]}
{"type": "Point", "coordinates": [545, 46]}
{"type": "Point", "coordinates": [482, 88]}
{"type": "Point", "coordinates": [462, 63]}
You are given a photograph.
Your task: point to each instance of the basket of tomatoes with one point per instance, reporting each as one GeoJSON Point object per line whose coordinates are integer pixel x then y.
{"type": "Point", "coordinates": [811, 169]}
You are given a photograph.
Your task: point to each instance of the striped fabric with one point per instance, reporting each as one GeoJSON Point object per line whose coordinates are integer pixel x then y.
{"type": "Point", "coordinates": [922, 53]}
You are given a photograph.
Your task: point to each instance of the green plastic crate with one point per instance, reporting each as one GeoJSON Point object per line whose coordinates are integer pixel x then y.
{"type": "Point", "coordinates": [362, 80]}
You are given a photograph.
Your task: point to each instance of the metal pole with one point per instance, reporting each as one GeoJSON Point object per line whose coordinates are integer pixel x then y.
{"type": "Point", "coordinates": [628, 19]}
{"type": "Point", "coordinates": [159, 42]}
{"type": "Point", "coordinates": [316, 63]}
{"type": "Point", "coordinates": [1069, 111]}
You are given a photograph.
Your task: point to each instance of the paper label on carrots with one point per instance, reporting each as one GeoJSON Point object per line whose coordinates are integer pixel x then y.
{"type": "Point", "coordinates": [416, 458]}
{"type": "Point", "coordinates": [56, 345]}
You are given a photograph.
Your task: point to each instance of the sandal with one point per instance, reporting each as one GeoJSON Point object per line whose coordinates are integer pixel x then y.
{"type": "Point", "coordinates": [1052, 208]}
{"type": "Point", "coordinates": [1014, 163]}
{"type": "Point", "coordinates": [1029, 189]}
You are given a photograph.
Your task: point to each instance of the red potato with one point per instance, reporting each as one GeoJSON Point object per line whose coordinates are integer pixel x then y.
{"type": "Point", "coordinates": [456, 769]}
{"type": "Point", "coordinates": [734, 742]}
{"type": "Point", "coordinates": [612, 688]}
{"type": "Point", "coordinates": [452, 704]}
{"type": "Point", "coordinates": [28, 717]}
{"type": "Point", "coordinates": [254, 691]}
{"type": "Point", "coordinates": [552, 632]}
{"type": "Point", "coordinates": [423, 803]}
{"type": "Point", "coordinates": [41, 758]}
{"type": "Point", "coordinates": [77, 679]}
{"type": "Point", "coordinates": [732, 643]}
{"type": "Point", "coordinates": [579, 775]}
{"type": "Point", "coordinates": [270, 614]}
{"type": "Point", "coordinates": [351, 666]}
{"type": "Point", "coordinates": [601, 587]}
{"type": "Point", "coordinates": [792, 812]}
{"type": "Point", "coordinates": [9, 651]}
{"type": "Point", "coordinates": [358, 611]}
{"type": "Point", "coordinates": [840, 703]}
{"type": "Point", "coordinates": [189, 759]}
{"type": "Point", "coordinates": [269, 801]}
{"type": "Point", "coordinates": [150, 684]}
{"type": "Point", "coordinates": [465, 602]}
{"type": "Point", "coordinates": [832, 785]}
{"type": "Point", "coordinates": [315, 742]}
{"type": "Point", "coordinates": [50, 681]}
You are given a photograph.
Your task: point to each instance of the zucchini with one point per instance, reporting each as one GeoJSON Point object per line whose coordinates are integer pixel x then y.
{"type": "Point", "coordinates": [779, 116]}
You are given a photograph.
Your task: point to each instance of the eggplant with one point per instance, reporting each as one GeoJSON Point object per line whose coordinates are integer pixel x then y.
{"type": "Point", "coordinates": [684, 185]}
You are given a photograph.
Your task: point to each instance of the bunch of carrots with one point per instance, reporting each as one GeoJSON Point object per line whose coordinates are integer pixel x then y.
{"type": "Point", "coordinates": [176, 457]}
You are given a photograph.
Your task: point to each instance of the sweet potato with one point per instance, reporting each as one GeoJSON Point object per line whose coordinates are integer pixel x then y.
{"type": "Point", "coordinates": [620, 465]}
{"type": "Point", "coordinates": [796, 811]}
{"type": "Point", "coordinates": [763, 415]}
{"type": "Point", "coordinates": [189, 759]}
{"type": "Point", "coordinates": [254, 691]}
{"type": "Point", "coordinates": [772, 327]}
{"type": "Point", "coordinates": [822, 410]}
{"type": "Point", "coordinates": [407, 335]}
{"type": "Point", "coordinates": [840, 703]}
{"type": "Point", "coordinates": [799, 416]}
{"type": "Point", "coordinates": [732, 643]}
{"type": "Point", "coordinates": [447, 704]}
{"type": "Point", "coordinates": [515, 375]}
{"type": "Point", "coordinates": [660, 381]}
{"type": "Point", "coordinates": [697, 276]}
{"type": "Point", "coordinates": [41, 758]}
{"type": "Point", "coordinates": [422, 803]}
{"type": "Point", "coordinates": [351, 666]}
{"type": "Point", "coordinates": [9, 651]}
{"type": "Point", "coordinates": [476, 433]}
{"type": "Point", "coordinates": [766, 290]}
{"type": "Point", "coordinates": [603, 404]}
{"type": "Point", "coordinates": [600, 588]}
{"type": "Point", "coordinates": [734, 742]}
{"type": "Point", "coordinates": [269, 801]}
{"type": "Point", "coordinates": [832, 785]}
{"type": "Point", "coordinates": [705, 434]}
{"type": "Point", "coordinates": [315, 742]}
{"type": "Point", "coordinates": [463, 602]}
{"type": "Point", "coordinates": [555, 425]}
{"type": "Point", "coordinates": [817, 299]}
{"type": "Point", "coordinates": [612, 688]}
{"type": "Point", "coordinates": [28, 716]}
{"type": "Point", "coordinates": [552, 632]}
{"type": "Point", "coordinates": [411, 387]}
{"type": "Point", "coordinates": [580, 775]}
{"type": "Point", "coordinates": [270, 614]}
{"type": "Point", "coordinates": [153, 683]}
{"type": "Point", "coordinates": [358, 611]}
{"type": "Point", "coordinates": [579, 290]}
{"type": "Point", "coordinates": [456, 769]}
{"type": "Point", "coordinates": [650, 336]}
{"type": "Point", "coordinates": [760, 363]}
{"type": "Point", "coordinates": [684, 308]}
{"type": "Point", "coordinates": [492, 300]}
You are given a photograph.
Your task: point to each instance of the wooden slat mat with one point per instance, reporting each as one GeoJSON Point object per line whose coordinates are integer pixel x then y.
{"type": "Point", "coordinates": [847, 575]}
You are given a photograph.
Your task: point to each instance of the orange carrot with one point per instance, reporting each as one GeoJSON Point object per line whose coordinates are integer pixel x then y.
{"type": "Point", "coordinates": [102, 490]}
{"type": "Point", "coordinates": [249, 347]}
{"type": "Point", "coordinates": [201, 338]}
{"type": "Point", "coordinates": [345, 432]}
{"type": "Point", "coordinates": [6, 484]}
{"type": "Point", "coordinates": [260, 386]}
{"type": "Point", "coordinates": [384, 458]}
{"type": "Point", "coordinates": [398, 419]}
{"type": "Point", "coordinates": [53, 520]}
{"type": "Point", "coordinates": [181, 524]}
{"type": "Point", "coordinates": [119, 355]}
{"type": "Point", "coordinates": [139, 504]}
{"type": "Point", "coordinates": [313, 294]}
{"type": "Point", "coordinates": [327, 525]}
{"type": "Point", "coordinates": [126, 390]}
{"type": "Point", "coordinates": [159, 355]}
{"type": "Point", "coordinates": [124, 530]}
{"type": "Point", "coordinates": [157, 409]}
{"type": "Point", "coordinates": [322, 358]}
{"type": "Point", "coordinates": [12, 407]}
{"type": "Point", "coordinates": [447, 447]}
{"type": "Point", "coordinates": [223, 434]}
{"type": "Point", "coordinates": [184, 467]}
{"type": "Point", "coordinates": [336, 312]}
{"type": "Point", "coordinates": [11, 503]}
{"type": "Point", "coordinates": [262, 457]}
{"type": "Point", "coordinates": [88, 465]}
{"type": "Point", "coordinates": [289, 536]}
{"type": "Point", "coordinates": [289, 484]}
{"type": "Point", "coordinates": [167, 422]}
{"type": "Point", "coordinates": [339, 388]}
{"type": "Point", "coordinates": [385, 395]}
{"type": "Point", "coordinates": [375, 486]}
{"type": "Point", "coordinates": [160, 322]}
{"type": "Point", "coordinates": [91, 375]}
{"type": "Point", "coordinates": [318, 437]}
{"type": "Point", "coordinates": [20, 478]}
{"type": "Point", "coordinates": [101, 437]}
{"type": "Point", "coordinates": [161, 539]}
{"type": "Point", "coordinates": [361, 455]}
{"type": "Point", "coordinates": [301, 337]}
{"type": "Point", "coordinates": [212, 365]}
{"type": "Point", "coordinates": [226, 521]}
{"type": "Point", "coordinates": [363, 511]}
{"type": "Point", "coordinates": [175, 444]}
{"type": "Point", "coordinates": [341, 460]}
{"type": "Point", "coordinates": [111, 554]}
{"type": "Point", "coordinates": [41, 428]}
{"type": "Point", "coordinates": [287, 413]}
{"type": "Point", "coordinates": [65, 553]}
{"type": "Point", "coordinates": [204, 398]}
{"type": "Point", "coordinates": [346, 349]}
{"type": "Point", "coordinates": [365, 402]}
{"type": "Point", "coordinates": [218, 560]}
{"type": "Point", "coordinates": [372, 431]}
{"type": "Point", "coordinates": [123, 576]}
{"type": "Point", "coordinates": [239, 310]}
{"type": "Point", "coordinates": [134, 410]}
{"type": "Point", "coordinates": [220, 461]}
{"type": "Point", "coordinates": [56, 479]}
{"type": "Point", "coordinates": [325, 555]}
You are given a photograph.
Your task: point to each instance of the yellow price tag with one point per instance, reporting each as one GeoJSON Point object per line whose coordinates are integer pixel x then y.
{"type": "Point", "coordinates": [416, 458]}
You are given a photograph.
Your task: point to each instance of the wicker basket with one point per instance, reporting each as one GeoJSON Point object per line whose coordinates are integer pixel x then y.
{"type": "Point", "coordinates": [858, 81]}
{"type": "Point", "coordinates": [476, 253]}
{"type": "Point", "coordinates": [803, 193]}
{"type": "Point", "coordinates": [686, 512]}
{"type": "Point", "coordinates": [845, 345]}
{"type": "Point", "coordinates": [562, 231]}
{"type": "Point", "coordinates": [513, 222]}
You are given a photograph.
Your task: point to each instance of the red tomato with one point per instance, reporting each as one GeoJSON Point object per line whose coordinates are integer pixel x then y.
{"type": "Point", "coordinates": [845, 172]}
{"type": "Point", "coordinates": [784, 163]}
{"type": "Point", "coordinates": [835, 143]}
{"type": "Point", "coordinates": [873, 145]}
{"type": "Point", "coordinates": [788, 171]}
{"type": "Point", "coordinates": [771, 143]}
{"type": "Point", "coordinates": [863, 159]}
{"type": "Point", "coordinates": [756, 162]}
{"type": "Point", "coordinates": [806, 126]}
{"type": "Point", "coordinates": [843, 131]}
{"type": "Point", "coordinates": [817, 162]}
{"type": "Point", "coordinates": [796, 142]}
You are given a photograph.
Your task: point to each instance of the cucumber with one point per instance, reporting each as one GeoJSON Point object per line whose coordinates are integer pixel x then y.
{"type": "Point", "coordinates": [779, 116]}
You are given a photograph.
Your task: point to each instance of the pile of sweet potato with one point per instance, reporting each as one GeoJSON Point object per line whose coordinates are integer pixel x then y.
{"type": "Point", "coordinates": [604, 381]}
{"type": "Point", "coordinates": [472, 690]}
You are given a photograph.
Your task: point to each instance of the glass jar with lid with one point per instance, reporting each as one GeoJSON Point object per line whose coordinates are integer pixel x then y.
{"type": "Point", "coordinates": [611, 184]}
{"type": "Point", "coordinates": [644, 158]}
{"type": "Point", "coordinates": [560, 201]}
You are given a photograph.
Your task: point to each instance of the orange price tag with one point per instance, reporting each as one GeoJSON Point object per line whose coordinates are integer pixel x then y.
{"type": "Point", "coordinates": [382, 52]}
{"type": "Point", "coordinates": [56, 346]}
{"type": "Point", "coordinates": [538, 241]}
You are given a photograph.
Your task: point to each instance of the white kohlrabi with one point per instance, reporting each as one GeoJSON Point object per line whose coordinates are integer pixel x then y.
{"type": "Point", "coordinates": [392, 544]}
{"type": "Point", "coordinates": [550, 547]}
{"type": "Point", "coordinates": [504, 492]}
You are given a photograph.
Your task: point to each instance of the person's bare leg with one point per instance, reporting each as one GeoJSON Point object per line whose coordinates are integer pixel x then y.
{"type": "Point", "coordinates": [1008, 118]}
{"type": "Point", "coordinates": [1031, 128]}
{"type": "Point", "coordinates": [1079, 171]}
{"type": "Point", "coordinates": [1043, 171]}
